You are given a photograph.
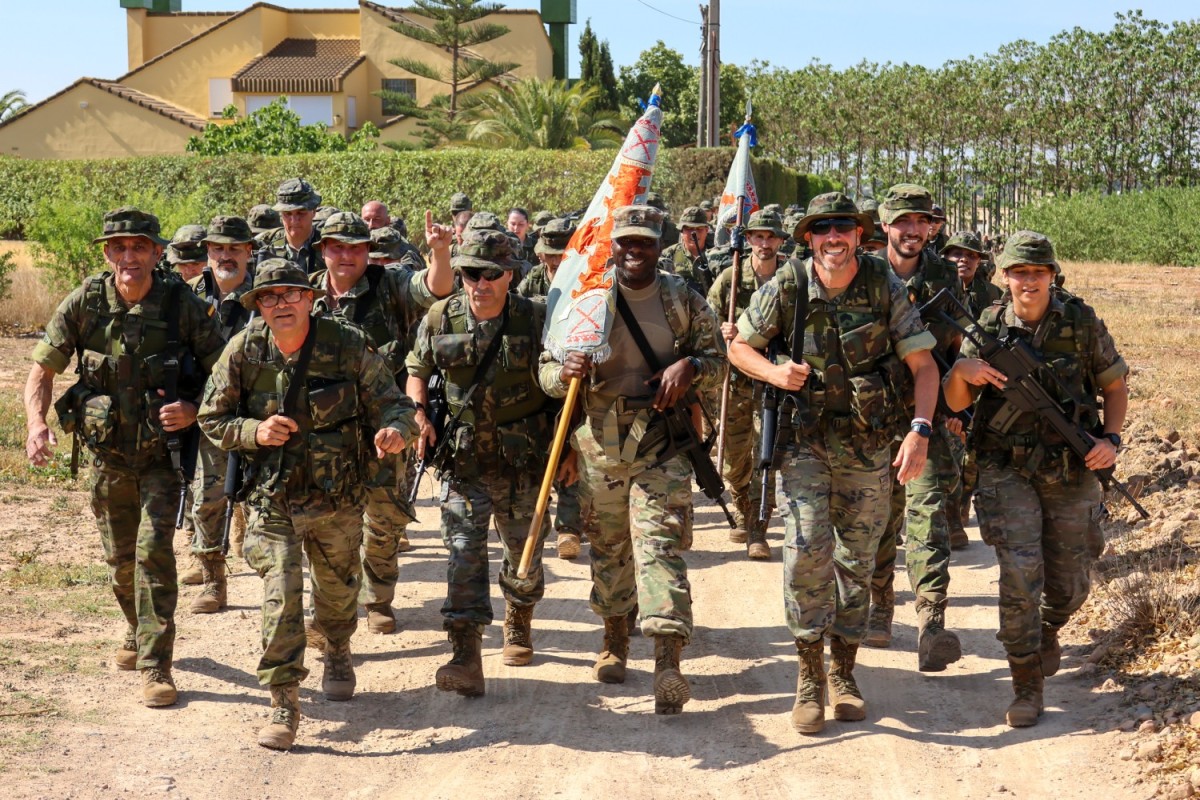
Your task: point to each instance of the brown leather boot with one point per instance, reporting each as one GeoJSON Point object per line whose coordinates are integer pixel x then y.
{"type": "Point", "coordinates": [518, 636]}
{"type": "Point", "coordinates": [338, 680]}
{"type": "Point", "coordinates": [158, 687]}
{"type": "Point", "coordinates": [936, 646]}
{"type": "Point", "coordinates": [671, 689]}
{"type": "Point", "coordinates": [1050, 651]}
{"type": "Point", "coordinates": [464, 673]}
{"type": "Point", "coordinates": [280, 732]}
{"type": "Point", "coordinates": [126, 658]}
{"type": "Point", "coordinates": [381, 618]}
{"type": "Point", "coordinates": [742, 520]}
{"type": "Point", "coordinates": [757, 548]}
{"type": "Point", "coordinates": [568, 545]}
{"type": "Point", "coordinates": [193, 573]}
{"type": "Point", "coordinates": [808, 713]}
{"type": "Point", "coordinates": [610, 666]}
{"type": "Point", "coordinates": [958, 537]}
{"type": "Point", "coordinates": [879, 621]}
{"type": "Point", "coordinates": [1027, 686]}
{"type": "Point", "coordinates": [844, 696]}
{"type": "Point", "coordinates": [214, 596]}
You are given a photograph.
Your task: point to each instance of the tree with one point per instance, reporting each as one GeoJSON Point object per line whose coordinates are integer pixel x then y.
{"type": "Point", "coordinates": [275, 130]}
{"type": "Point", "coordinates": [454, 27]}
{"type": "Point", "coordinates": [733, 101]}
{"type": "Point", "coordinates": [664, 66]}
{"type": "Point", "coordinates": [12, 103]}
{"type": "Point", "coordinates": [596, 69]}
{"type": "Point", "coordinates": [543, 115]}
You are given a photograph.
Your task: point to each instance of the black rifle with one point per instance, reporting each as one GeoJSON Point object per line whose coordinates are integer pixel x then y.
{"type": "Point", "coordinates": [175, 438]}
{"type": "Point", "coordinates": [1024, 392]}
{"type": "Point", "coordinates": [770, 431]}
{"type": "Point", "coordinates": [933, 310]}
{"type": "Point", "coordinates": [700, 262]}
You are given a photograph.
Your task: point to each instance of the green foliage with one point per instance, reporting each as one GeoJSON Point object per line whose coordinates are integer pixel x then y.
{"type": "Point", "coordinates": [689, 175]}
{"type": "Point", "coordinates": [6, 268]}
{"type": "Point", "coordinates": [275, 130]}
{"type": "Point", "coordinates": [596, 69]}
{"type": "Point", "coordinates": [664, 66]}
{"type": "Point", "coordinates": [12, 103]}
{"type": "Point", "coordinates": [543, 115]}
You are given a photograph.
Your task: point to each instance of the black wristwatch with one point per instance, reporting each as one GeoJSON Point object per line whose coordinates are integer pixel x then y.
{"type": "Point", "coordinates": [1115, 438]}
{"type": "Point", "coordinates": [695, 362]}
{"type": "Point", "coordinates": [921, 429]}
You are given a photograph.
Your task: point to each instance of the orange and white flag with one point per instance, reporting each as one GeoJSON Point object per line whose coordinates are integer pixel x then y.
{"type": "Point", "coordinates": [740, 182]}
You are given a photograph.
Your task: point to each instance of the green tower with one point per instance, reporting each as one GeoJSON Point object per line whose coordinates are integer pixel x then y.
{"type": "Point", "coordinates": [160, 6]}
{"type": "Point", "coordinates": [558, 14]}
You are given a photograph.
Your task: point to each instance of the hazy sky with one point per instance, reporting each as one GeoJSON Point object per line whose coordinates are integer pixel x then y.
{"type": "Point", "coordinates": [48, 46]}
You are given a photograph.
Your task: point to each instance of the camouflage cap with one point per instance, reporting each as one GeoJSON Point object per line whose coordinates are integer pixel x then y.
{"type": "Point", "coordinates": [878, 234]}
{"type": "Point", "coordinates": [963, 240]}
{"type": "Point", "coordinates": [693, 217]}
{"type": "Point", "coordinates": [905, 198]}
{"type": "Point", "coordinates": [832, 205]}
{"type": "Point", "coordinates": [555, 236]}
{"type": "Point", "coordinates": [130, 221]}
{"type": "Point", "coordinates": [655, 200]}
{"type": "Point", "coordinates": [263, 218]}
{"type": "Point", "coordinates": [541, 218]}
{"type": "Point", "coordinates": [705, 205]}
{"type": "Point", "coordinates": [484, 221]}
{"type": "Point", "coordinates": [276, 272]}
{"type": "Point", "coordinates": [296, 194]}
{"type": "Point", "coordinates": [484, 248]}
{"type": "Point", "coordinates": [637, 221]}
{"type": "Point", "coordinates": [1028, 247]}
{"type": "Point", "coordinates": [869, 205]}
{"type": "Point", "coordinates": [386, 242]}
{"type": "Point", "coordinates": [791, 221]}
{"type": "Point", "coordinates": [774, 208]}
{"type": "Point", "coordinates": [228, 230]}
{"type": "Point", "coordinates": [459, 202]}
{"type": "Point", "coordinates": [939, 213]}
{"type": "Point", "coordinates": [346, 226]}
{"type": "Point", "coordinates": [187, 246]}
{"type": "Point", "coordinates": [322, 216]}
{"type": "Point", "coordinates": [766, 220]}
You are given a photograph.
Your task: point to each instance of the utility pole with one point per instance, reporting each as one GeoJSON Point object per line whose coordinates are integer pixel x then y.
{"type": "Point", "coordinates": [714, 73]}
{"type": "Point", "coordinates": [702, 113]}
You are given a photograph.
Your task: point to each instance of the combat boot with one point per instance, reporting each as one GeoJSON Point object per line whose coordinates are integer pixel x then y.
{"type": "Point", "coordinates": [314, 637]}
{"type": "Point", "coordinates": [126, 658]}
{"type": "Point", "coordinates": [808, 713]}
{"type": "Point", "coordinates": [741, 518]}
{"type": "Point", "coordinates": [193, 573]}
{"type": "Point", "coordinates": [756, 545]}
{"type": "Point", "coordinates": [632, 624]}
{"type": "Point", "coordinates": [1027, 686]}
{"type": "Point", "coordinates": [518, 636]}
{"type": "Point", "coordinates": [610, 666]}
{"type": "Point", "coordinates": [1050, 651]}
{"type": "Point", "coordinates": [158, 688]}
{"type": "Point", "coordinates": [568, 545]}
{"type": "Point", "coordinates": [280, 732]}
{"type": "Point", "coordinates": [844, 696]}
{"type": "Point", "coordinates": [237, 531]}
{"type": "Point", "coordinates": [381, 618]}
{"type": "Point", "coordinates": [958, 537]}
{"type": "Point", "coordinates": [879, 621]}
{"type": "Point", "coordinates": [464, 673]}
{"type": "Point", "coordinates": [214, 596]}
{"type": "Point", "coordinates": [338, 681]}
{"type": "Point", "coordinates": [671, 689]}
{"type": "Point", "coordinates": [936, 646]}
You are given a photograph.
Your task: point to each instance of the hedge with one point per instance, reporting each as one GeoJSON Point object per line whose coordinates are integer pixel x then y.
{"type": "Point", "coordinates": [409, 182]}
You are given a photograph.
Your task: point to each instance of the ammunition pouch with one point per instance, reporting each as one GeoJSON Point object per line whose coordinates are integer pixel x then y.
{"type": "Point", "coordinates": [69, 407]}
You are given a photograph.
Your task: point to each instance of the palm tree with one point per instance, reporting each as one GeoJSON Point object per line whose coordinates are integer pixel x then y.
{"type": "Point", "coordinates": [12, 103]}
{"type": "Point", "coordinates": [542, 115]}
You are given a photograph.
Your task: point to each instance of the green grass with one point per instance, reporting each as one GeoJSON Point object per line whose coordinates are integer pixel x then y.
{"type": "Point", "coordinates": [79, 589]}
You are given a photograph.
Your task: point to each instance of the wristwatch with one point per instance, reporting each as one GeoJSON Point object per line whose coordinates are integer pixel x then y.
{"type": "Point", "coordinates": [695, 362]}
{"type": "Point", "coordinates": [1115, 438]}
{"type": "Point", "coordinates": [921, 429]}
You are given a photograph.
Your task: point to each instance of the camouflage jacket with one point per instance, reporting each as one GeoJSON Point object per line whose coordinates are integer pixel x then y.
{"type": "Point", "coordinates": [698, 273]}
{"type": "Point", "coordinates": [932, 275]}
{"type": "Point", "coordinates": [718, 298]}
{"type": "Point", "coordinates": [349, 392]}
{"type": "Point", "coordinates": [535, 285]}
{"type": "Point", "coordinates": [229, 312]}
{"type": "Point", "coordinates": [982, 293]}
{"type": "Point", "coordinates": [274, 244]}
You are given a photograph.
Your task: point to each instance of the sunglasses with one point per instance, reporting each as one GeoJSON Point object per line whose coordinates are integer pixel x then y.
{"type": "Point", "coordinates": [822, 227]}
{"type": "Point", "coordinates": [290, 296]}
{"type": "Point", "coordinates": [475, 274]}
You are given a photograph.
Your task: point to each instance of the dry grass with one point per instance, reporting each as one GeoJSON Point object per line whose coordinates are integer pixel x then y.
{"type": "Point", "coordinates": [30, 303]}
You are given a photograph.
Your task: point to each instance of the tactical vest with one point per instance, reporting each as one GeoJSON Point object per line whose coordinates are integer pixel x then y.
{"type": "Point", "coordinates": [1065, 349]}
{"type": "Point", "coordinates": [231, 315]}
{"type": "Point", "coordinates": [327, 455]}
{"type": "Point", "coordinates": [933, 274]}
{"type": "Point", "coordinates": [389, 337]}
{"type": "Point", "coordinates": [274, 245]}
{"type": "Point", "coordinates": [982, 293]}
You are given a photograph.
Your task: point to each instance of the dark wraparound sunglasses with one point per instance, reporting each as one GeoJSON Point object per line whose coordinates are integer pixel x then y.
{"type": "Point", "coordinates": [490, 274]}
{"type": "Point", "coordinates": [842, 225]}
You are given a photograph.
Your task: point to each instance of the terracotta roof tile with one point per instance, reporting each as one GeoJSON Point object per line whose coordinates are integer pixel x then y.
{"type": "Point", "coordinates": [300, 66]}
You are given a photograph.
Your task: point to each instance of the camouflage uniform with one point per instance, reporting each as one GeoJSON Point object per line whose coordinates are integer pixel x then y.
{"type": "Point", "coordinates": [293, 195]}
{"type": "Point", "coordinates": [676, 259]}
{"type": "Point", "coordinates": [122, 350]}
{"type": "Point", "coordinates": [390, 246]}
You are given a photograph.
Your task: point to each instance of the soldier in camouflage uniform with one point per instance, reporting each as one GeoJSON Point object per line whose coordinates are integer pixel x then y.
{"type": "Point", "coordinates": [1037, 499]}
{"type": "Point", "coordinates": [493, 458]}
{"type": "Point", "coordinates": [130, 329]}
{"type": "Point", "coordinates": [686, 258]}
{"type": "Point", "coordinates": [378, 218]}
{"type": "Point", "coordinates": [296, 202]}
{"type": "Point", "coordinates": [764, 235]}
{"type": "Point", "coordinates": [643, 508]}
{"type": "Point", "coordinates": [263, 219]}
{"type": "Point", "coordinates": [185, 254]}
{"type": "Point", "coordinates": [876, 240]}
{"type": "Point", "coordinates": [670, 233]}
{"type": "Point", "coordinates": [860, 337]}
{"type": "Point", "coordinates": [304, 448]}
{"type": "Point", "coordinates": [937, 234]}
{"type": "Point", "coordinates": [386, 304]}
{"type": "Point", "coordinates": [907, 216]}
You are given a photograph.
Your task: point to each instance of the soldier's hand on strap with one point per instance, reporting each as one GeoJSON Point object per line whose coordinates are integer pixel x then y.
{"type": "Point", "coordinates": [790, 375]}
{"type": "Point", "coordinates": [437, 237]}
{"type": "Point", "coordinates": [39, 444]}
{"type": "Point", "coordinates": [274, 431]}
{"type": "Point", "coordinates": [673, 383]}
{"type": "Point", "coordinates": [176, 416]}
{"type": "Point", "coordinates": [388, 440]}
{"type": "Point", "coordinates": [575, 365]}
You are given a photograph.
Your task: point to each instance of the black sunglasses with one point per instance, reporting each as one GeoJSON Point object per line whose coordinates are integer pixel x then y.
{"type": "Point", "coordinates": [842, 225]}
{"type": "Point", "coordinates": [490, 274]}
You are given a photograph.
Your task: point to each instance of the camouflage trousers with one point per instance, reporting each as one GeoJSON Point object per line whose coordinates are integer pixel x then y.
{"type": "Point", "coordinates": [643, 515]}
{"type": "Point", "coordinates": [743, 429]}
{"type": "Point", "coordinates": [837, 508]}
{"type": "Point", "coordinates": [468, 509]}
{"type": "Point", "coordinates": [956, 493]}
{"type": "Point", "coordinates": [208, 498]}
{"type": "Point", "coordinates": [385, 520]}
{"type": "Point", "coordinates": [568, 511]}
{"type": "Point", "coordinates": [884, 575]}
{"type": "Point", "coordinates": [135, 512]}
{"type": "Point", "coordinates": [276, 539]}
{"type": "Point", "coordinates": [1039, 527]}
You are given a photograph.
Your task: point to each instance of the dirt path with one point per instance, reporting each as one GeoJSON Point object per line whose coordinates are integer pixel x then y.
{"type": "Point", "coordinates": [548, 729]}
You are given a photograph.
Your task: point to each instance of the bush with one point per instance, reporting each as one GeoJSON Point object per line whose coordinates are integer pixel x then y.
{"type": "Point", "coordinates": [6, 269]}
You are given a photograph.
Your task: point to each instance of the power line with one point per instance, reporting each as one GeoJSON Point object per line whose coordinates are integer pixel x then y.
{"type": "Point", "coordinates": [672, 16]}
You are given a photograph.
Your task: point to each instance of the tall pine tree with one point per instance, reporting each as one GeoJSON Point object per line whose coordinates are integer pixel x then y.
{"type": "Point", "coordinates": [596, 69]}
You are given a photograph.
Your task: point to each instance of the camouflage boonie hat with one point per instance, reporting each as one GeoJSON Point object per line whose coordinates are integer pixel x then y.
{"type": "Point", "coordinates": [637, 221]}
{"type": "Point", "coordinates": [322, 216]}
{"type": "Point", "coordinates": [459, 202]}
{"type": "Point", "coordinates": [555, 236]}
{"type": "Point", "coordinates": [541, 218]}
{"type": "Point", "coordinates": [386, 242]}
{"type": "Point", "coordinates": [130, 221]}
{"type": "Point", "coordinates": [263, 218]}
{"type": "Point", "coordinates": [905, 198]}
{"type": "Point", "coordinates": [963, 240]}
{"type": "Point", "coordinates": [869, 205]}
{"type": "Point", "coordinates": [1028, 247]}
{"type": "Point", "coordinates": [765, 220]}
{"type": "Point", "coordinates": [655, 200]}
{"type": "Point", "coordinates": [693, 217]}
{"type": "Point", "coordinates": [705, 205]}
{"type": "Point", "coordinates": [484, 248]}
{"type": "Point", "coordinates": [296, 194]}
{"type": "Point", "coordinates": [187, 245]}
{"type": "Point", "coordinates": [228, 230]}
{"type": "Point", "coordinates": [832, 205]}
{"type": "Point", "coordinates": [275, 272]}
{"type": "Point", "coordinates": [791, 221]}
{"type": "Point", "coordinates": [346, 226]}
{"type": "Point", "coordinates": [484, 221]}
{"type": "Point", "coordinates": [773, 208]}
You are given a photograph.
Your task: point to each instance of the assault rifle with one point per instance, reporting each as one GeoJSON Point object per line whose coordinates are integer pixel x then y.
{"type": "Point", "coordinates": [175, 438]}
{"type": "Point", "coordinates": [1024, 391]}
{"type": "Point", "coordinates": [770, 431]}
{"type": "Point", "coordinates": [436, 410]}
{"type": "Point", "coordinates": [700, 262]}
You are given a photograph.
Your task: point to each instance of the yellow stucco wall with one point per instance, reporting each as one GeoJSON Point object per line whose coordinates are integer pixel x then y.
{"type": "Point", "coordinates": [304, 24]}
{"type": "Point", "coordinates": [109, 127]}
{"type": "Point", "coordinates": [526, 43]}
{"type": "Point", "coordinates": [160, 32]}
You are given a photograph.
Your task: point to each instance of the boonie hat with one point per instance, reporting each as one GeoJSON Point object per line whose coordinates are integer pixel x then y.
{"type": "Point", "coordinates": [1028, 247]}
{"type": "Point", "coordinates": [766, 220]}
{"type": "Point", "coordinates": [130, 221]}
{"type": "Point", "coordinates": [963, 240]}
{"type": "Point", "coordinates": [832, 205]}
{"type": "Point", "coordinates": [187, 245]}
{"type": "Point", "coordinates": [386, 242]}
{"type": "Point", "coordinates": [693, 217]}
{"type": "Point", "coordinates": [905, 198]}
{"type": "Point", "coordinates": [484, 248]}
{"type": "Point", "coordinates": [484, 221]}
{"type": "Point", "coordinates": [459, 202]}
{"type": "Point", "coordinates": [275, 272]}
{"type": "Point", "coordinates": [556, 235]}
{"type": "Point", "coordinates": [263, 218]}
{"type": "Point", "coordinates": [296, 194]}
{"type": "Point", "coordinates": [346, 226]}
{"type": "Point", "coordinates": [228, 230]}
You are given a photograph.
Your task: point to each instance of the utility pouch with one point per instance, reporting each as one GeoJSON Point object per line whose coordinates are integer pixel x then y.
{"type": "Point", "coordinates": [69, 407]}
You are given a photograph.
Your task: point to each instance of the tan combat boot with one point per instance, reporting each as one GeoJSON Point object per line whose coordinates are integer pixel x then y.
{"type": "Point", "coordinates": [1050, 651]}
{"type": "Point", "coordinates": [808, 713]}
{"type": "Point", "coordinates": [844, 696]}
{"type": "Point", "coordinates": [671, 689]}
{"type": "Point", "coordinates": [610, 666]}
{"type": "Point", "coordinates": [280, 732]}
{"type": "Point", "coordinates": [518, 635]}
{"type": "Point", "coordinates": [214, 596]}
{"type": "Point", "coordinates": [193, 573]}
{"type": "Point", "coordinates": [936, 646]}
{"type": "Point", "coordinates": [879, 621]}
{"type": "Point", "coordinates": [314, 637]}
{"type": "Point", "coordinates": [237, 531]}
{"type": "Point", "coordinates": [338, 681]}
{"type": "Point", "coordinates": [1027, 686]}
{"type": "Point", "coordinates": [381, 618]}
{"type": "Point", "coordinates": [126, 658]}
{"type": "Point", "coordinates": [464, 673]}
{"type": "Point", "coordinates": [568, 545]}
{"type": "Point", "coordinates": [756, 544]}
{"type": "Point", "coordinates": [741, 518]}
{"type": "Point", "coordinates": [158, 688]}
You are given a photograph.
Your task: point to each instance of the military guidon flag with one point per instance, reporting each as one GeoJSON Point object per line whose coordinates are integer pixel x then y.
{"type": "Point", "coordinates": [740, 182]}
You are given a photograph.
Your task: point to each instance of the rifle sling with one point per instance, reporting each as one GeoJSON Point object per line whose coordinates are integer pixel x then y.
{"type": "Point", "coordinates": [481, 371]}
{"type": "Point", "coordinates": [300, 373]}
{"type": "Point", "coordinates": [635, 330]}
